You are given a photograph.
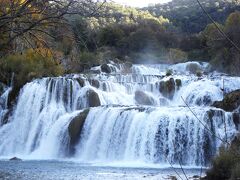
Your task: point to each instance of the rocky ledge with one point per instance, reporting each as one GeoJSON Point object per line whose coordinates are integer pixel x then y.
{"type": "Point", "coordinates": [230, 102]}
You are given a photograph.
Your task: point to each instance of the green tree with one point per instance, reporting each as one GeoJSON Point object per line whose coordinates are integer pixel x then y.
{"type": "Point", "coordinates": [232, 27]}
{"type": "Point", "coordinates": [110, 36]}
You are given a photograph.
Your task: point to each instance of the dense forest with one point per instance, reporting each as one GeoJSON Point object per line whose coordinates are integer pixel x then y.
{"type": "Point", "coordinates": [80, 34]}
{"type": "Point", "coordinates": [187, 14]}
{"type": "Point", "coordinates": [52, 38]}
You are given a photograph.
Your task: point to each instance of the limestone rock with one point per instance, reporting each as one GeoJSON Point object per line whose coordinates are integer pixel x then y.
{"type": "Point", "coordinates": [75, 127]}
{"type": "Point", "coordinates": [230, 102]}
{"type": "Point", "coordinates": [105, 68]}
{"type": "Point", "coordinates": [167, 88]}
{"type": "Point", "coordinates": [15, 159]}
{"type": "Point", "coordinates": [143, 99]}
{"type": "Point", "coordinates": [93, 98]}
{"type": "Point", "coordinates": [95, 83]}
{"type": "Point", "coordinates": [81, 81]}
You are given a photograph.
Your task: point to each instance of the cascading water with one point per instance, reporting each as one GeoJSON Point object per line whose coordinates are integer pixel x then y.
{"type": "Point", "coordinates": [153, 135]}
{"type": "Point", "coordinates": [4, 93]}
{"type": "Point", "coordinates": [133, 116]}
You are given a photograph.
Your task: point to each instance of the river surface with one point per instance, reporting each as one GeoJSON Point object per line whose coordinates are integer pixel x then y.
{"type": "Point", "coordinates": [66, 170]}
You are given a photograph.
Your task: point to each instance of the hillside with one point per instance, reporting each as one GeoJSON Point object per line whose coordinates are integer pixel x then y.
{"type": "Point", "coordinates": [187, 14]}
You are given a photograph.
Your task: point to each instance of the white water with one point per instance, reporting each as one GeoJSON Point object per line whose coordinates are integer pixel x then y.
{"type": "Point", "coordinates": [155, 135]}
{"type": "Point", "coordinates": [3, 103]}
{"type": "Point", "coordinates": [123, 130]}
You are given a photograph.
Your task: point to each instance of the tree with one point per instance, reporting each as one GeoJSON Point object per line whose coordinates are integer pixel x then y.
{"type": "Point", "coordinates": [110, 36]}
{"type": "Point", "coordinates": [28, 21]}
{"type": "Point", "coordinates": [232, 27]}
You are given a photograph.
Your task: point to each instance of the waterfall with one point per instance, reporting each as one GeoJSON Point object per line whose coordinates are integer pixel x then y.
{"type": "Point", "coordinates": [135, 114]}
{"type": "Point", "coordinates": [153, 135]}
{"type": "Point", "coordinates": [4, 93]}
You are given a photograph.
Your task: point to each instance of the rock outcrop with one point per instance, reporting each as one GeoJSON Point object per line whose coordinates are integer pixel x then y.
{"type": "Point", "coordinates": [15, 159]}
{"type": "Point", "coordinates": [93, 98]}
{"type": "Point", "coordinates": [95, 83]}
{"type": "Point", "coordinates": [167, 88]}
{"type": "Point", "coordinates": [143, 99]}
{"type": "Point", "coordinates": [81, 81]}
{"type": "Point", "coordinates": [2, 87]}
{"type": "Point", "coordinates": [230, 102]}
{"type": "Point", "coordinates": [105, 68]}
{"type": "Point", "coordinates": [75, 127]}
{"type": "Point", "coordinates": [178, 83]}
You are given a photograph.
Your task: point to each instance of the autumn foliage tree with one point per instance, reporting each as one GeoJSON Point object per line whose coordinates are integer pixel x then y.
{"type": "Point", "coordinates": [26, 23]}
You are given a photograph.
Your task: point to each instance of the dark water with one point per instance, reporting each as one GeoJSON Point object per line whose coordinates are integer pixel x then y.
{"type": "Point", "coordinates": [62, 170]}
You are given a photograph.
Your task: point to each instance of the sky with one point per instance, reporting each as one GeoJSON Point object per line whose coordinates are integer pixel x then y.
{"type": "Point", "coordinates": [140, 3]}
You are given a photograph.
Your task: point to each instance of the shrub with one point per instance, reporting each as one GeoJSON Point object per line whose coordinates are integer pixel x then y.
{"type": "Point", "coordinates": [222, 165]}
{"type": "Point", "coordinates": [107, 53]}
{"type": "Point", "coordinates": [88, 58]}
{"type": "Point", "coordinates": [226, 165]}
{"type": "Point", "coordinates": [236, 172]}
{"type": "Point", "coordinates": [28, 65]}
{"type": "Point", "coordinates": [177, 56]}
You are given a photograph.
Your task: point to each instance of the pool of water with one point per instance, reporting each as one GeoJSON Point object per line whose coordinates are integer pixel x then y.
{"type": "Point", "coordinates": [65, 170]}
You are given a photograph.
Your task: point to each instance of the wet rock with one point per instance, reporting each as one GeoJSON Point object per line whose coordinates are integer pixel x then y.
{"type": "Point", "coordinates": [193, 68]}
{"type": "Point", "coordinates": [95, 71]}
{"type": "Point", "coordinates": [2, 87]}
{"type": "Point", "coordinates": [128, 64]}
{"type": "Point", "coordinates": [230, 102]}
{"type": "Point", "coordinates": [205, 100]}
{"type": "Point", "coordinates": [169, 72]}
{"type": "Point", "coordinates": [196, 177]}
{"type": "Point", "coordinates": [95, 83]}
{"type": "Point", "coordinates": [236, 120]}
{"type": "Point", "coordinates": [93, 98]}
{"type": "Point", "coordinates": [214, 112]}
{"type": "Point", "coordinates": [178, 83]}
{"type": "Point", "coordinates": [75, 127]}
{"type": "Point", "coordinates": [127, 67]}
{"type": "Point", "coordinates": [235, 144]}
{"type": "Point", "coordinates": [12, 97]}
{"type": "Point", "coordinates": [86, 67]}
{"type": "Point", "coordinates": [80, 68]}
{"type": "Point", "coordinates": [105, 68]}
{"type": "Point", "coordinates": [143, 99]}
{"type": "Point", "coordinates": [172, 178]}
{"type": "Point", "coordinates": [81, 81]}
{"type": "Point", "coordinates": [167, 88]}
{"type": "Point", "coordinates": [5, 116]}
{"type": "Point", "coordinates": [15, 159]}
{"type": "Point", "coordinates": [140, 109]}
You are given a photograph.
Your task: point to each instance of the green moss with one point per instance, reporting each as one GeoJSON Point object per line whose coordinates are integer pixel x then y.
{"type": "Point", "coordinates": [169, 72]}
